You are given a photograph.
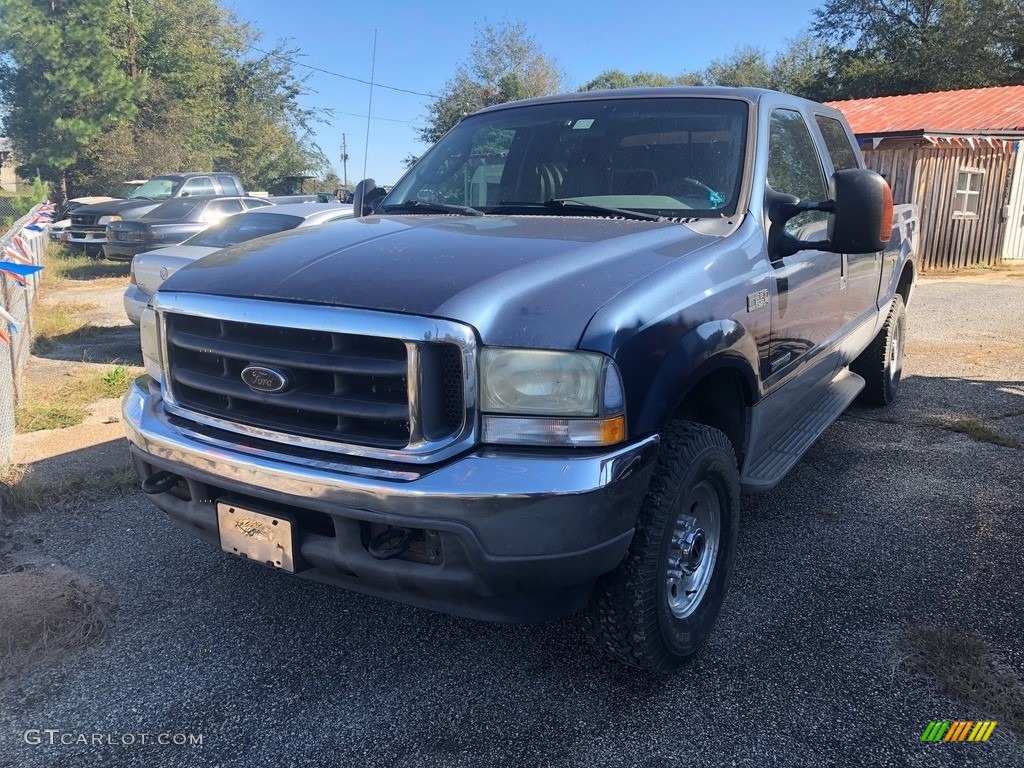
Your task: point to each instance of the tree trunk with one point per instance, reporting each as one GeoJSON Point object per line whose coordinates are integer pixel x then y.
{"type": "Point", "coordinates": [62, 188]}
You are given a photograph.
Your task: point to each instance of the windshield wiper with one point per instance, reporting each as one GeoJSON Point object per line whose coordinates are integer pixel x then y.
{"type": "Point", "coordinates": [570, 205]}
{"type": "Point", "coordinates": [426, 206]}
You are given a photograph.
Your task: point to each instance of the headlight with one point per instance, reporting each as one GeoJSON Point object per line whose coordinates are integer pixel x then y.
{"type": "Point", "coordinates": [152, 356]}
{"type": "Point", "coordinates": [108, 219]}
{"type": "Point", "coordinates": [540, 397]}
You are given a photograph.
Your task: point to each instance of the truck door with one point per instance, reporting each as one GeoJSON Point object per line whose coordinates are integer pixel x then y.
{"type": "Point", "coordinates": [863, 271]}
{"type": "Point", "coordinates": [807, 314]}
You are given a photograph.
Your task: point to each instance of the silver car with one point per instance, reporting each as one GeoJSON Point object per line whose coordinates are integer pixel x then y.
{"type": "Point", "coordinates": [151, 268]}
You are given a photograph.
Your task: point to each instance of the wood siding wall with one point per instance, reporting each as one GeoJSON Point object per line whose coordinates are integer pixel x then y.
{"type": "Point", "coordinates": [926, 175]}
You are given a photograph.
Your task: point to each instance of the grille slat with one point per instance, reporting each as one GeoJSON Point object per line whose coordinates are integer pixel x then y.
{"type": "Point", "coordinates": [348, 388]}
{"type": "Point", "coordinates": [363, 366]}
{"type": "Point", "coordinates": [340, 406]}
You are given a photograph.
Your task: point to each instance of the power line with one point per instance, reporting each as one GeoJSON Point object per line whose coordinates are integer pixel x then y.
{"type": "Point", "coordinates": [331, 111]}
{"type": "Point", "coordinates": [338, 74]}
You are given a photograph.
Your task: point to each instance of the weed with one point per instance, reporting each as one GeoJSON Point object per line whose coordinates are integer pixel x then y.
{"type": "Point", "coordinates": [63, 402]}
{"type": "Point", "coordinates": [977, 430]}
{"type": "Point", "coordinates": [966, 669]}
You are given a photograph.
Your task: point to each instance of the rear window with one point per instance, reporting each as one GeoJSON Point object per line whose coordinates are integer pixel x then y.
{"type": "Point", "coordinates": [242, 227]}
{"type": "Point", "coordinates": [837, 142]}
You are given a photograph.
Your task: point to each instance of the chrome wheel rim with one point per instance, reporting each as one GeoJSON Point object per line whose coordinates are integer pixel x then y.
{"type": "Point", "coordinates": [693, 551]}
{"type": "Point", "coordinates": [896, 353]}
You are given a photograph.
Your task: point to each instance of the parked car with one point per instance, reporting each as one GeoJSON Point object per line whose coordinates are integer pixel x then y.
{"type": "Point", "coordinates": [123, 192]}
{"type": "Point", "coordinates": [536, 377]}
{"type": "Point", "coordinates": [89, 222]}
{"type": "Point", "coordinates": [171, 223]}
{"type": "Point", "coordinates": [62, 225]}
{"type": "Point", "coordinates": [151, 268]}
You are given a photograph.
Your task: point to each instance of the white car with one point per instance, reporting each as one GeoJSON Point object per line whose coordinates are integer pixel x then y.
{"type": "Point", "coordinates": [151, 268]}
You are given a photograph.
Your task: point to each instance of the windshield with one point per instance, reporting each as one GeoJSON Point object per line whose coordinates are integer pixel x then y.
{"type": "Point", "coordinates": [155, 189]}
{"type": "Point", "coordinates": [673, 157]}
{"type": "Point", "coordinates": [126, 190]}
{"type": "Point", "coordinates": [238, 229]}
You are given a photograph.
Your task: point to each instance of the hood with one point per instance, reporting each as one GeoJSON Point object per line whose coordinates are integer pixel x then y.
{"type": "Point", "coordinates": [134, 208]}
{"type": "Point", "coordinates": [524, 280]}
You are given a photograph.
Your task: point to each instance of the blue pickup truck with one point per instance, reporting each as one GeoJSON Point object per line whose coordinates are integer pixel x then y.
{"type": "Point", "coordinates": [536, 376]}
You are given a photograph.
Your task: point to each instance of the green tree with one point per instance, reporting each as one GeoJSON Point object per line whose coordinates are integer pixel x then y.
{"type": "Point", "coordinates": [801, 68]}
{"type": "Point", "coordinates": [504, 64]}
{"type": "Point", "coordinates": [885, 47]}
{"type": "Point", "coordinates": [616, 78]}
{"type": "Point", "coordinates": [62, 81]}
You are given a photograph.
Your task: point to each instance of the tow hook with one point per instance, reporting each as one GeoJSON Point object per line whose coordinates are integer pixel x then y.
{"type": "Point", "coordinates": [382, 548]}
{"type": "Point", "coordinates": [161, 482]}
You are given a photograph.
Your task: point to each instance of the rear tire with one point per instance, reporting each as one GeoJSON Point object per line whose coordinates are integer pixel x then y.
{"type": "Point", "coordinates": [881, 364]}
{"type": "Point", "coordinates": [658, 607]}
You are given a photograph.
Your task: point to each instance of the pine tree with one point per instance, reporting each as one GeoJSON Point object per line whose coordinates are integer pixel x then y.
{"type": "Point", "coordinates": [63, 82]}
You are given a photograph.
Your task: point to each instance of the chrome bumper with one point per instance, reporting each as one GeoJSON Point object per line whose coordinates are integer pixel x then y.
{"type": "Point", "coordinates": [476, 478]}
{"type": "Point", "coordinates": [521, 535]}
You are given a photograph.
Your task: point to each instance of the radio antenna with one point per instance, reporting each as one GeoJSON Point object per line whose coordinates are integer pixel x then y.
{"type": "Point", "coordinates": [369, 107]}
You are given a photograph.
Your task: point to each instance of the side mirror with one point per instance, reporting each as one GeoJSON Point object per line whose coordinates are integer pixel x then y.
{"type": "Point", "coordinates": [861, 217]}
{"type": "Point", "coordinates": [863, 212]}
{"type": "Point", "coordinates": [366, 197]}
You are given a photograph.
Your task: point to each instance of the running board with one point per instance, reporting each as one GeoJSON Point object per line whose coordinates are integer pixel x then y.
{"type": "Point", "coordinates": [765, 472]}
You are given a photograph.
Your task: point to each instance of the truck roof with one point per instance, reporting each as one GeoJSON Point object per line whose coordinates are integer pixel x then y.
{"type": "Point", "coordinates": [753, 95]}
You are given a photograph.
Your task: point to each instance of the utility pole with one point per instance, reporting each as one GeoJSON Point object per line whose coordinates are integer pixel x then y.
{"type": "Point", "coordinates": [344, 158]}
{"type": "Point", "coordinates": [133, 66]}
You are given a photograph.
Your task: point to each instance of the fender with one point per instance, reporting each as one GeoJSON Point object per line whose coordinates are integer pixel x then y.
{"type": "Point", "coordinates": [700, 351]}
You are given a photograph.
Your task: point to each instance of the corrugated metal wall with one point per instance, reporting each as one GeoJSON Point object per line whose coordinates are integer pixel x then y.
{"type": "Point", "coordinates": [926, 175]}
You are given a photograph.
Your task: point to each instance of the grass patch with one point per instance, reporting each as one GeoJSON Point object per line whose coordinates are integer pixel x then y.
{"type": "Point", "coordinates": [977, 430]}
{"type": "Point", "coordinates": [55, 404]}
{"type": "Point", "coordinates": [64, 265]}
{"type": "Point", "coordinates": [62, 321]}
{"type": "Point", "coordinates": [47, 614]}
{"type": "Point", "coordinates": [966, 669]}
{"type": "Point", "coordinates": [22, 492]}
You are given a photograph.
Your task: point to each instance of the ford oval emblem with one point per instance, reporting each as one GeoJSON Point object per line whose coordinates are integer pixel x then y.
{"type": "Point", "coordinates": [263, 378]}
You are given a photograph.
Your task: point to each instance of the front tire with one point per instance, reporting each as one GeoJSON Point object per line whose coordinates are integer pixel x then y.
{"type": "Point", "coordinates": [658, 607]}
{"type": "Point", "coordinates": [881, 364]}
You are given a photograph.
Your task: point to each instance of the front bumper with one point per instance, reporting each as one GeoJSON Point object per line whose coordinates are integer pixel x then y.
{"type": "Point", "coordinates": [518, 535]}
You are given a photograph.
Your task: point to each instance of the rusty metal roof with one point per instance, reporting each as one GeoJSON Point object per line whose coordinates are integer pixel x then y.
{"type": "Point", "coordinates": [978, 111]}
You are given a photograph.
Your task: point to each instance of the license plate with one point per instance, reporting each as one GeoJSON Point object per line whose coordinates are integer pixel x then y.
{"type": "Point", "coordinates": [263, 538]}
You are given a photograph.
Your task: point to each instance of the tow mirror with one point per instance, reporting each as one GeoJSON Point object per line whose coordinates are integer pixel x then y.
{"type": "Point", "coordinates": [860, 221]}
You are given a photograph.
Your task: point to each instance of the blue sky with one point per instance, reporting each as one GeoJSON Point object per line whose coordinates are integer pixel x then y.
{"type": "Point", "coordinates": [420, 44]}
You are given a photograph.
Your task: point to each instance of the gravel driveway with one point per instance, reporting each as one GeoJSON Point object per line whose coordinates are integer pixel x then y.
{"type": "Point", "coordinates": [892, 521]}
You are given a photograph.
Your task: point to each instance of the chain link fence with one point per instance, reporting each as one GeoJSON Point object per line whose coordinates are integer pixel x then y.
{"type": "Point", "coordinates": [17, 300]}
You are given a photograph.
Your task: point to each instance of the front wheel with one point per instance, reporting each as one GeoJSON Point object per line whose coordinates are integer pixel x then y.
{"type": "Point", "coordinates": [659, 605]}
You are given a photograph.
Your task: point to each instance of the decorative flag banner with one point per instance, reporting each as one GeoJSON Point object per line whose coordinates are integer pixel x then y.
{"type": "Point", "coordinates": [15, 327]}
{"type": "Point", "coordinates": [19, 251]}
{"type": "Point", "coordinates": [18, 271]}
{"type": "Point", "coordinates": [33, 227]}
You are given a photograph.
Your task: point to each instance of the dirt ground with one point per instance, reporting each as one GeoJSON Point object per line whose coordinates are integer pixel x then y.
{"type": "Point", "coordinates": [49, 609]}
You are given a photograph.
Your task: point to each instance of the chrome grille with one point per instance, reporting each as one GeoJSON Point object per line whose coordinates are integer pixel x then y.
{"type": "Point", "coordinates": [84, 219]}
{"type": "Point", "coordinates": [392, 395]}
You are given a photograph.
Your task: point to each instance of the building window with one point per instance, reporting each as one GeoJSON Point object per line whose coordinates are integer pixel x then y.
{"type": "Point", "coordinates": [967, 197]}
